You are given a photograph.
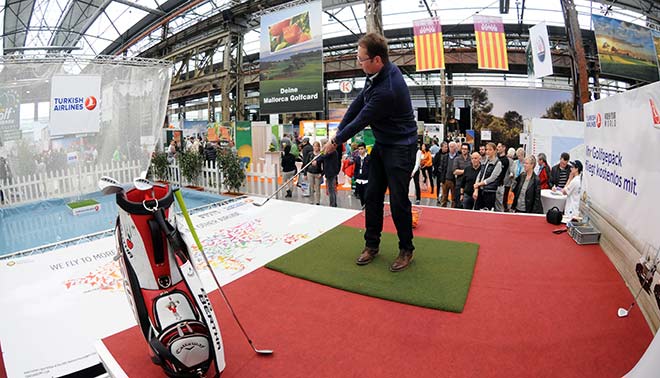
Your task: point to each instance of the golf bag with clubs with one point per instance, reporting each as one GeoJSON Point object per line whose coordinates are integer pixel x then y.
{"type": "Point", "coordinates": [163, 286]}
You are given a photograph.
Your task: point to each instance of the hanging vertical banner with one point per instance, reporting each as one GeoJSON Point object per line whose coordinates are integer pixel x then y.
{"type": "Point", "coordinates": [74, 104]}
{"type": "Point", "coordinates": [291, 60]}
{"type": "Point", "coordinates": [244, 142]}
{"type": "Point", "coordinates": [491, 43]}
{"type": "Point", "coordinates": [538, 38]}
{"type": "Point", "coordinates": [429, 48]}
{"type": "Point", "coordinates": [9, 116]}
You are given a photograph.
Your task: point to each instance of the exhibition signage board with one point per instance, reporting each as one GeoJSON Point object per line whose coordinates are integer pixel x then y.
{"type": "Point", "coordinates": [554, 136]}
{"type": "Point", "coordinates": [491, 43]}
{"type": "Point", "coordinates": [291, 60]}
{"type": "Point", "coordinates": [538, 39]}
{"type": "Point", "coordinates": [622, 177]}
{"type": "Point", "coordinates": [656, 42]}
{"type": "Point", "coordinates": [625, 49]}
{"type": "Point", "coordinates": [74, 104]}
{"type": "Point", "coordinates": [244, 142]}
{"type": "Point", "coordinates": [9, 116]}
{"type": "Point", "coordinates": [429, 48]}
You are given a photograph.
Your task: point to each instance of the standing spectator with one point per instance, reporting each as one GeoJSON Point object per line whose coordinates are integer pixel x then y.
{"type": "Point", "coordinates": [461, 162]}
{"type": "Point", "coordinates": [288, 162]}
{"type": "Point", "coordinates": [307, 154]}
{"type": "Point", "coordinates": [508, 179]}
{"type": "Point", "coordinates": [331, 163]}
{"type": "Point", "coordinates": [415, 174]}
{"type": "Point", "coordinates": [435, 148]}
{"type": "Point", "coordinates": [384, 104]}
{"type": "Point", "coordinates": [499, 197]}
{"type": "Point", "coordinates": [486, 183]}
{"type": "Point", "coordinates": [470, 174]}
{"type": "Point", "coordinates": [543, 171]}
{"type": "Point", "coordinates": [171, 152]}
{"type": "Point", "coordinates": [573, 190]}
{"type": "Point", "coordinates": [560, 172]}
{"type": "Point", "coordinates": [518, 166]}
{"type": "Point", "coordinates": [210, 153]}
{"type": "Point", "coordinates": [482, 153]}
{"type": "Point", "coordinates": [426, 165]}
{"type": "Point", "coordinates": [314, 172]}
{"type": "Point", "coordinates": [439, 163]}
{"type": "Point", "coordinates": [449, 178]}
{"type": "Point", "coordinates": [527, 191]}
{"type": "Point", "coordinates": [5, 174]}
{"type": "Point", "coordinates": [361, 172]}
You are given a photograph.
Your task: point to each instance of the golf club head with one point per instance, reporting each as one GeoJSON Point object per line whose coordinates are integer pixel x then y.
{"type": "Point", "coordinates": [622, 313]}
{"type": "Point", "coordinates": [142, 184]}
{"type": "Point", "coordinates": [264, 351]}
{"type": "Point", "coordinates": [108, 185]}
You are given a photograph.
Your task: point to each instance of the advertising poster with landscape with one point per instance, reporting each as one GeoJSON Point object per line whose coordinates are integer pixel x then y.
{"type": "Point", "coordinates": [291, 60]}
{"type": "Point", "coordinates": [625, 49]}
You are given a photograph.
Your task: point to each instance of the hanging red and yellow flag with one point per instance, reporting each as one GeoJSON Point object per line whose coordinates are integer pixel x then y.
{"type": "Point", "coordinates": [491, 43]}
{"type": "Point", "coordinates": [429, 50]}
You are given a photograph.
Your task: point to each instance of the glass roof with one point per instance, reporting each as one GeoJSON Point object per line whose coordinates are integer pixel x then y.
{"type": "Point", "coordinates": [92, 25]}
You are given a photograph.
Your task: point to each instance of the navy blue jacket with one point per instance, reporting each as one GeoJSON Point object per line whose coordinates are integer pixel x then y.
{"type": "Point", "coordinates": [361, 171]}
{"type": "Point", "coordinates": [385, 106]}
{"type": "Point", "coordinates": [331, 164]}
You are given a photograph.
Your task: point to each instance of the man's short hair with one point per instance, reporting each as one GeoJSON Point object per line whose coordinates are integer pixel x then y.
{"type": "Point", "coordinates": [466, 145]}
{"type": "Point", "coordinates": [376, 45]}
{"type": "Point", "coordinates": [361, 144]}
{"type": "Point", "coordinates": [565, 156]}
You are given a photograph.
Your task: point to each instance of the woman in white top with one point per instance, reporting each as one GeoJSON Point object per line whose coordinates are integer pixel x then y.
{"type": "Point", "coordinates": [573, 190]}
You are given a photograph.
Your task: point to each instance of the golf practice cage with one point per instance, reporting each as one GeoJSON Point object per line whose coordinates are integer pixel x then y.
{"type": "Point", "coordinates": [77, 118]}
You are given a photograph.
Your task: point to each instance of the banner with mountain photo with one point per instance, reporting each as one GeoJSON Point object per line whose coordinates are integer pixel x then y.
{"type": "Point", "coordinates": [291, 60]}
{"type": "Point", "coordinates": [625, 49]}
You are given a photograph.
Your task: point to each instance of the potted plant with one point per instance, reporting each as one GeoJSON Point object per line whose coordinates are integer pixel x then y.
{"type": "Point", "coordinates": [190, 165]}
{"type": "Point", "coordinates": [159, 165]}
{"type": "Point", "coordinates": [232, 172]}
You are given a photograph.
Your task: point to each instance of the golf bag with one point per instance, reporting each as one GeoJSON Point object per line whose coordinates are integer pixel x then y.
{"type": "Point", "coordinates": [163, 286]}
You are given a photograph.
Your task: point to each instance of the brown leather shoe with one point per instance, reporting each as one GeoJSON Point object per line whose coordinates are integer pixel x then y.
{"type": "Point", "coordinates": [367, 255]}
{"type": "Point", "coordinates": [402, 261]}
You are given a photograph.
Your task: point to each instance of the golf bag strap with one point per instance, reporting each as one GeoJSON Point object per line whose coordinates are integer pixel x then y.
{"type": "Point", "coordinates": [157, 241]}
{"type": "Point", "coordinates": [172, 234]}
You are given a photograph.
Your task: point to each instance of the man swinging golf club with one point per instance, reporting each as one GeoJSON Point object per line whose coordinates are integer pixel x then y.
{"type": "Point", "coordinates": [384, 104]}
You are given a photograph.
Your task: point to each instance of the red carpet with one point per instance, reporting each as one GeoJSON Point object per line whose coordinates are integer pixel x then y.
{"type": "Point", "coordinates": [539, 306]}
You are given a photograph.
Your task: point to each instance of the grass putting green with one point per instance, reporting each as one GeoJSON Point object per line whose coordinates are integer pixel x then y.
{"type": "Point", "coordinates": [439, 277]}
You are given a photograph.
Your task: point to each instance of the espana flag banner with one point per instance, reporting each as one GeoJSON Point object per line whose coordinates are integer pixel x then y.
{"type": "Point", "coordinates": [429, 49]}
{"type": "Point", "coordinates": [491, 43]}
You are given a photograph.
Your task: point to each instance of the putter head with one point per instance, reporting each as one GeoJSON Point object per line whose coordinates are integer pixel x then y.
{"type": "Point", "coordinates": [142, 184]}
{"type": "Point", "coordinates": [264, 351]}
{"type": "Point", "coordinates": [108, 185]}
{"type": "Point", "coordinates": [622, 313]}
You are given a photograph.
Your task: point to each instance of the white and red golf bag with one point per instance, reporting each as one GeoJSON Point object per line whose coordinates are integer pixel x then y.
{"type": "Point", "coordinates": [164, 288]}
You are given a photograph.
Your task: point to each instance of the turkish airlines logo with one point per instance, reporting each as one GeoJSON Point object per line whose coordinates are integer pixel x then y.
{"type": "Point", "coordinates": [599, 120]}
{"type": "Point", "coordinates": [656, 115]}
{"type": "Point", "coordinates": [90, 103]}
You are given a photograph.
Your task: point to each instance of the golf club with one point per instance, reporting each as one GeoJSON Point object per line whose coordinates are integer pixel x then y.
{"type": "Point", "coordinates": [108, 185]}
{"type": "Point", "coordinates": [286, 183]}
{"type": "Point", "coordinates": [184, 211]}
{"type": "Point", "coordinates": [622, 312]}
{"type": "Point", "coordinates": [144, 184]}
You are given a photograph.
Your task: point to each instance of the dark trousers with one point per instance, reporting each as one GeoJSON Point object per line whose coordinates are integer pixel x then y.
{"type": "Point", "coordinates": [486, 200]}
{"type": "Point", "coordinates": [418, 192]}
{"type": "Point", "coordinates": [390, 166]}
{"type": "Point", "coordinates": [456, 195]}
{"type": "Point", "coordinates": [360, 190]}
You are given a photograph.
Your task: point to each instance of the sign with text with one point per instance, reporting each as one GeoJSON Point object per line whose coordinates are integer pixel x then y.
{"type": "Point", "coordinates": [491, 43]}
{"type": "Point", "coordinates": [74, 104]}
{"type": "Point", "coordinates": [622, 178]}
{"type": "Point", "coordinates": [9, 116]}
{"type": "Point", "coordinates": [429, 48]}
{"type": "Point", "coordinates": [291, 60]}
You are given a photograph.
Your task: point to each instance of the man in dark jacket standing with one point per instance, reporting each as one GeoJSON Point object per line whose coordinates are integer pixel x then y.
{"type": "Point", "coordinates": [384, 104]}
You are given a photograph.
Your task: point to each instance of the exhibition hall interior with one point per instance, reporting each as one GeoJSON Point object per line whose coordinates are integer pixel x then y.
{"type": "Point", "coordinates": [329, 188]}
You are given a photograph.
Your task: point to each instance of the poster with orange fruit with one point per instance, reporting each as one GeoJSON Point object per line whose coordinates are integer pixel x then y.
{"type": "Point", "coordinates": [291, 60]}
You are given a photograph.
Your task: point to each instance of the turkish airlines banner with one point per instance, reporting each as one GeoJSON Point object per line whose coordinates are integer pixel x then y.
{"type": "Point", "coordinates": [429, 48]}
{"type": "Point", "coordinates": [74, 107]}
{"type": "Point", "coordinates": [622, 175]}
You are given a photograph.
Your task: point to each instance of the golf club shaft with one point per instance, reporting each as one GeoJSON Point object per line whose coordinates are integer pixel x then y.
{"type": "Point", "coordinates": [184, 210]}
{"type": "Point", "coordinates": [291, 179]}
